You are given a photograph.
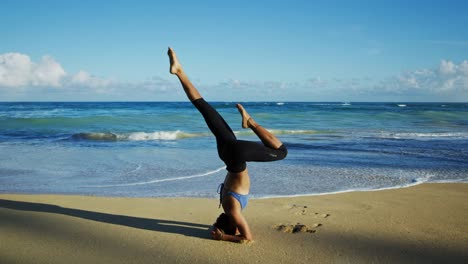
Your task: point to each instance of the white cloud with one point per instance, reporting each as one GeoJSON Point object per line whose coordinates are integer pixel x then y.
{"type": "Point", "coordinates": [448, 81]}
{"type": "Point", "coordinates": [47, 72]}
{"type": "Point", "coordinates": [316, 82]}
{"type": "Point", "coordinates": [20, 76]}
{"type": "Point", "coordinates": [447, 67]}
{"type": "Point", "coordinates": [80, 78]}
{"type": "Point", "coordinates": [23, 79]}
{"type": "Point", "coordinates": [13, 69]}
{"type": "Point", "coordinates": [157, 84]}
{"type": "Point", "coordinates": [84, 79]}
{"type": "Point", "coordinates": [463, 68]}
{"type": "Point", "coordinates": [17, 70]}
{"type": "Point", "coordinates": [238, 84]}
{"type": "Point", "coordinates": [448, 78]}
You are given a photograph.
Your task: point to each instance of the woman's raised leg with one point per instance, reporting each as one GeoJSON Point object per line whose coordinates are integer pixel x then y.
{"type": "Point", "coordinates": [213, 119]}
{"type": "Point", "coordinates": [176, 68]}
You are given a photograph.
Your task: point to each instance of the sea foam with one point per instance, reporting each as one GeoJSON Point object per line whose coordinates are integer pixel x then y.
{"type": "Point", "coordinates": [414, 135]}
{"type": "Point", "coordinates": [136, 136]}
{"type": "Point", "coordinates": [179, 178]}
{"type": "Point", "coordinates": [168, 135]}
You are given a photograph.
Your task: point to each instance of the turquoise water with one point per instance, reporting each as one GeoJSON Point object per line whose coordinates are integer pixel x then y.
{"type": "Point", "coordinates": [164, 149]}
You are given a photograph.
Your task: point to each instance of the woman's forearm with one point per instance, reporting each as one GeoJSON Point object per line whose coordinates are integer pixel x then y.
{"type": "Point", "coordinates": [233, 238]}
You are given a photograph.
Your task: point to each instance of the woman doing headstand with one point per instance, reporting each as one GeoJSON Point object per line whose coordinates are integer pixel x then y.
{"type": "Point", "coordinates": [231, 225]}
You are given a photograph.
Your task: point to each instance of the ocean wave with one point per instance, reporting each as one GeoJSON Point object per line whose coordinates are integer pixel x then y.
{"type": "Point", "coordinates": [292, 132]}
{"type": "Point", "coordinates": [281, 132]}
{"type": "Point", "coordinates": [415, 135]}
{"type": "Point", "coordinates": [136, 136]}
{"type": "Point", "coordinates": [170, 135]}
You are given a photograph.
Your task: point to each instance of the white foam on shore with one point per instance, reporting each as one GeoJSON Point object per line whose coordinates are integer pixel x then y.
{"type": "Point", "coordinates": [159, 180]}
{"type": "Point", "coordinates": [415, 182]}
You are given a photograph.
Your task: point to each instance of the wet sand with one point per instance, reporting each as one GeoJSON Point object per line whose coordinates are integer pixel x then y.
{"type": "Point", "coordinates": [427, 223]}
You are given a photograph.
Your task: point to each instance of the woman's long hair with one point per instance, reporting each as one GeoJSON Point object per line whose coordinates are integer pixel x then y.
{"type": "Point", "coordinates": [225, 224]}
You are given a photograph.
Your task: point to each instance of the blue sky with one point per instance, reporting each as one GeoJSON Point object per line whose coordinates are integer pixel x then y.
{"type": "Point", "coordinates": [236, 51]}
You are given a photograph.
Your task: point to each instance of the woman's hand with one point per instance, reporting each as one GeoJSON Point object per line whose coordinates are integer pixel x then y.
{"type": "Point", "coordinates": [217, 234]}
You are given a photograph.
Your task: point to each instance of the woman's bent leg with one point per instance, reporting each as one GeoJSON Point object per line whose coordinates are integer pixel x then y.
{"type": "Point", "coordinates": [256, 151]}
{"type": "Point", "coordinates": [267, 138]}
{"type": "Point", "coordinates": [272, 148]}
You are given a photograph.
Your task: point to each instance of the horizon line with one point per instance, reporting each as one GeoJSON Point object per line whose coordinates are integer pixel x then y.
{"type": "Point", "coordinates": [230, 101]}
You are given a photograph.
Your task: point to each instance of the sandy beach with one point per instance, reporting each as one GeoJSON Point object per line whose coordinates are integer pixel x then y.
{"type": "Point", "coordinates": [421, 224]}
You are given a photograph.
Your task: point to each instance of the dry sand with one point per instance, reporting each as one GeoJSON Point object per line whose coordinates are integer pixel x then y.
{"type": "Point", "coordinates": [422, 224]}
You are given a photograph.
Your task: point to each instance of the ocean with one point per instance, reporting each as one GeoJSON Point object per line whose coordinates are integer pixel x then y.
{"type": "Point", "coordinates": [164, 149]}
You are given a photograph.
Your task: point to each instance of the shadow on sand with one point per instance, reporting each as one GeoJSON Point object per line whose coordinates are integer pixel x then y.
{"type": "Point", "coordinates": [168, 226]}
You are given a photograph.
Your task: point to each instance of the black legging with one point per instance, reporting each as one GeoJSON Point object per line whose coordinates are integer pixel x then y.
{"type": "Point", "coordinates": [235, 152]}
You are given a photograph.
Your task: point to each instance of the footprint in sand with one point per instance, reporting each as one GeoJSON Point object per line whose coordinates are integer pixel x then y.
{"type": "Point", "coordinates": [296, 228]}
{"type": "Point", "coordinates": [321, 215]}
{"type": "Point", "coordinates": [299, 209]}
{"type": "Point", "coordinates": [301, 228]}
{"type": "Point", "coordinates": [303, 210]}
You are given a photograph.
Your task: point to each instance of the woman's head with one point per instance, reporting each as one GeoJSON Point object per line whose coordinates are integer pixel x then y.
{"type": "Point", "coordinates": [225, 223]}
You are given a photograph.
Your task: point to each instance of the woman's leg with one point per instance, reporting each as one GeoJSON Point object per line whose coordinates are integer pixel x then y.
{"type": "Point", "coordinates": [272, 148]}
{"type": "Point", "coordinates": [267, 138]}
{"type": "Point", "coordinates": [215, 122]}
{"type": "Point", "coordinates": [176, 68]}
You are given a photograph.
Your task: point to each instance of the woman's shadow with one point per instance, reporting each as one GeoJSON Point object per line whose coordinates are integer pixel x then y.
{"type": "Point", "coordinates": [168, 226]}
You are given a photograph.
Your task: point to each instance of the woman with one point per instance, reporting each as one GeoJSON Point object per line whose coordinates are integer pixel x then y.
{"type": "Point", "coordinates": [231, 225]}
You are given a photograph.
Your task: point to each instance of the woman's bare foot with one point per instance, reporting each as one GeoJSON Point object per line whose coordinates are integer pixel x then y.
{"type": "Point", "coordinates": [175, 66]}
{"type": "Point", "coordinates": [247, 121]}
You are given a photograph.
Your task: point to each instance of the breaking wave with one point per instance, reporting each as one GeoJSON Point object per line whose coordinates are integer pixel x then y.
{"type": "Point", "coordinates": [167, 135]}
{"type": "Point", "coordinates": [136, 136]}
{"type": "Point", "coordinates": [414, 135]}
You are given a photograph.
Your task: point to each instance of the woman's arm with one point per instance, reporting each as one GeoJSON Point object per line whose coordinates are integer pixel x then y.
{"type": "Point", "coordinates": [243, 227]}
{"type": "Point", "coordinates": [217, 234]}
